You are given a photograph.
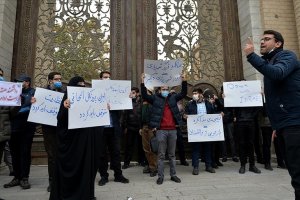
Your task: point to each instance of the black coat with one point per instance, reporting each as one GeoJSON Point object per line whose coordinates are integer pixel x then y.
{"type": "Point", "coordinates": [158, 103]}
{"type": "Point", "coordinates": [281, 71]}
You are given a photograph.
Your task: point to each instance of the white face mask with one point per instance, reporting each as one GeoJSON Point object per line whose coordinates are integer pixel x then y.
{"type": "Point", "coordinates": [195, 97]}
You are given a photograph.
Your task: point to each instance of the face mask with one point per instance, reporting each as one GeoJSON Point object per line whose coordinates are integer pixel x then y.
{"type": "Point", "coordinates": [164, 93]}
{"type": "Point", "coordinates": [57, 84]}
{"type": "Point", "coordinates": [1, 78]}
{"type": "Point", "coordinates": [106, 78]}
{"type": "Point", "coordinates": [195, 97]}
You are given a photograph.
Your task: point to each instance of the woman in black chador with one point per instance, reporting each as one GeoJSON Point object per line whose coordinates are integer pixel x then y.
{"type": "Point", "coordinates": [77, 156]}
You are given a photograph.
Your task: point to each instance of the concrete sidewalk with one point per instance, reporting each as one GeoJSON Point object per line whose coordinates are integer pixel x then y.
{"type": "Point", "coordinates": [225, 184]}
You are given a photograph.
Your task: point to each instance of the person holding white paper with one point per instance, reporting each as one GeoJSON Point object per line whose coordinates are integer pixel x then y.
{"type": "Point", "coordinates": [77, 158]}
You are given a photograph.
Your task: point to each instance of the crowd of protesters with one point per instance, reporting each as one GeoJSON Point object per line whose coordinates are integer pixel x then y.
{"type": "Point", "coordinates": [75, 156]}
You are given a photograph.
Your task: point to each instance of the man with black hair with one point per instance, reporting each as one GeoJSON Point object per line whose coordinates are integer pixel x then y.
{"type": "Point", "coordinates": [22, 133]}
{"type": "Point", "coordinates": [281, 71]}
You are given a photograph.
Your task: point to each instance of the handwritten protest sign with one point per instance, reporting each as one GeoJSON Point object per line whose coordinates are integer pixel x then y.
{"type": "Point", "coordinates": [88, 107]}
{"type": "Point", "coordinates": [162, 73]}
{"type": "Point", "coordinates": [242, 94]}
{"type": "Point", "coordinates": [10, 93]}
{"type": "Point", "coordinates": [117, 93]}
{"type": "Point", "coordinates": [46, 107]}
{"type": "Point", "coordinates": [203, 128]}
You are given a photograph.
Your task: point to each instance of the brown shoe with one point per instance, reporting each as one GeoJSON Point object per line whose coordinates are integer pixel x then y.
{"type": "Point", "coordinates": [12, 183]}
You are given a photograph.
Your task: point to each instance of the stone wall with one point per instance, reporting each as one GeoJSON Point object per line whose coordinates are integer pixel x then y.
{"type": "Point", "coordinates": [7, 28]}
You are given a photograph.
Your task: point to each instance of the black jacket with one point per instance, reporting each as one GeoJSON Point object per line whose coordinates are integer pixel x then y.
{"type": "Point", "coordinates": [191, 108]}
{"type": "Point", "coordinates": [158, 103]}
{"type": "Point", "coordinates": [281, 71]}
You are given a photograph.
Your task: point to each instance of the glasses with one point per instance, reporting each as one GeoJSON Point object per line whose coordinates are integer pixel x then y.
{"type": "Point", "coordinates": [266, 39]}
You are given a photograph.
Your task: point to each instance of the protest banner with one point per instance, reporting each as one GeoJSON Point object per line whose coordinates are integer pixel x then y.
{"type": "Point", "coordinates": [117, 93]}
{"type": "Point", "coordinates": [10, 93]}
{"type": "Point", "coordinates": [162, 73]}
{"type": "Point", "coordinates": [242, 94]}
{"type": "Point", "coordinates": [46, 107]}
{"type": "Point", "coordinates": [88, 107]}
{"type": "Point", "coordinates": [204, 128]}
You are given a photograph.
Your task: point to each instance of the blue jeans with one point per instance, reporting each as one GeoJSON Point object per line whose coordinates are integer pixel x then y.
{"type": "Point", "coordinates": [166, 142]}
{"type": "Point", "coordinates": [196, 149]}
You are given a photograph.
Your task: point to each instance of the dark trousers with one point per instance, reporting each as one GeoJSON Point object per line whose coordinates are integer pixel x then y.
{"type": "Point", "coordinates": [246, 132]}
{"type": "Point", "coordinates": [279, 152]}
{"type": "Point", "coordinates": [50, 142]}
{"type": "Point", "coordinates": [20, 147]}
{"type": "Point", "coordinates": [258, 143]}
{"type": "Point", "coordinates": [289, 137]}
{"type": "Point", "coordinates": [110, 140]}
{"type": "Point", "coordinates": [267, 137]}
{"type": "Point", "coordinates": [2, 145]}
{"type": "Point", "coordinates": [196, 148]}
{"type": "Point", "coordinates": [180, 145]}
{"type": "Point", "coordinates": [133, 139]}
{"type": "Point", "coordinates": [216, 151]}
{"type": "Point", "coordinates": [228, 133]}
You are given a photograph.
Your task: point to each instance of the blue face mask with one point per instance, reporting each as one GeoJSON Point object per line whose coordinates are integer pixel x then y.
{"type": "Point", "coordinates": [1, 78]}
{"type": "Point", "coordinates": [57, 84]}
{"type": "Point", "coordinates": [164, 93]}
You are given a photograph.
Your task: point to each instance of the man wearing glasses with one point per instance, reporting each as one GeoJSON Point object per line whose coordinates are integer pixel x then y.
{"type": "Point", "coordinates": [281, 71]}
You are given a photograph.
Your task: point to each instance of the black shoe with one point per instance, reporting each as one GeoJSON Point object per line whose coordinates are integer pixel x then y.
{"type": "Point", "coordinates": [121, 179]}
{"type": "Point", "coordinates": [242, 169]}
{"type": "Point", "coordinates": [152, 174]}
{"type": "Point", "coordinates": [210, 170]}
{"type": "Point", "coordinates": [175, 179]}
{"type": "Point", "coordinates": [268, 167]}
{"type": "Point", "coordinates": [25, 184]}
{"type": "Point", "coordinates": [125, 166]}
{"type": "Point", "coordinates": [281, 166]}
{"type": "Point", "coordinates": [103, 181]}
{"type": "Point", "coordinates": [12, 183]}
{"type": "Point", "coordinates": [215, 166]}
{"type": "Point", "coordinates": [49, 188]}
{"type": "Point", "coordinates": [235, 159]}
{"type": "Point", "coordinates": [195, 171]}
{"type": "Point", "coordinates": [146, 170]}
{"type": "Point", "coordinates": [254, 169]}
{"type": "Point", "coordinates": [219, 164]}
{"type": "Point", "coordinates": [224, 159]}
{"type": "Point", "coordinates": [184, 163]}
{"type": "Point", "coordinates": [159, 181]}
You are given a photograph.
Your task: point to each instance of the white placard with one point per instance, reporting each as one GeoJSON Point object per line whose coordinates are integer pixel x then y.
{"type": "Point", "coordinates": [10, 93]}
{"type": "Point", "coordinates": [242, 94]}
{"type": "Point", "coordinates": [117, 93]}
{"type": "Point", "coordinates": [88, 107]}
{"type": "Point", "coordinates": [46, 107]}
{"type": "Point", "coordinates": [162, 73]}
{"type": "Point", "coordinates": [204, 128]}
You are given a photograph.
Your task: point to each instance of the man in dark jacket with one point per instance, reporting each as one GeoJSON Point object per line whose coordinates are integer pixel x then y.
{"type": "Point", "coordinates": [164, 118]}
{"type": "Point", "coordinates": [21, 137]}
{"type": "Point", "coordinates": [281, 71]}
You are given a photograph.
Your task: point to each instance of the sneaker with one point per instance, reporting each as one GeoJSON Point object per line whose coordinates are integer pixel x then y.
{"type": "Point", "coordinates": [103, 181]}
{"type": "Point", "coordinates": [12, 183]}
{"type": "Point", "coordinates": [195, 171]}
{"type": "Point", "coordinates": [254, 169]}
{"type": "Point", "coordinates": [146, 170]}
{"type": "Point", "coordinates": [235, 159]}
{"type": "Point", "coordinates": [268, 167]}
{"type": "Point", "coordinates": [224, 159]}
{"type": "Point", "coordinates": [121, 179]}
{"type": "Point", "coordinates": [242, 169]}
{"type": "Point", "coordinates": [25, 184]}
{"type": "Point", "coordinates": [175, 179]}
{"type": "Point", "coordinates": [184, 163]}
{"type": "Point", "coordinates": [125, 166]}
{"type": "Point", "coordinates": [159, 181]}
{"type": "Point", "coordinates": [210, 170]}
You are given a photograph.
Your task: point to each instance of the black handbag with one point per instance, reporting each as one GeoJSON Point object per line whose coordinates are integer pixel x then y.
{"type": "Point", "coordinates": [154, 144]}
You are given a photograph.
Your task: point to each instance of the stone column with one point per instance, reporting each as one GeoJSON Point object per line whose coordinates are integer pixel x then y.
{"type": "Point", "coordinates": [297, 17]}
{"type": "Point", "coordinates": [250, 26]}
{"type": "Point", "coordinates": [7, 28]}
